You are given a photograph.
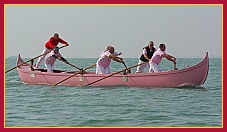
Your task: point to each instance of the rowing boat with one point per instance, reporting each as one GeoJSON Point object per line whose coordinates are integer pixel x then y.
{"type": "Point", "coordinates": [190, 76]}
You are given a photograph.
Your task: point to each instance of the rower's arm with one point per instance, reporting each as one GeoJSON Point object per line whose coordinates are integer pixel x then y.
{"type": "Point", "coordinates": [63, 59]}
{"type": "Point", "coordinates": [145, 55]}
{"type": "Point", "coordinates": [170, 58]}
{"type": "Point", "coordinates": [118, 59]}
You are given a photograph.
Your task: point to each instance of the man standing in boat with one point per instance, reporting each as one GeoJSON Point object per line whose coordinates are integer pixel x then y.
{"type": "Point", "coordinates": [53, 42]}
{"type": "Point", "coordinates": [148, 52]}
{"type": "Point", "coordinates": [157, 57]}
{"type": "Point", "coordinates": [51, 58]}
{"type": "Point", "coordinates": [103, 63]}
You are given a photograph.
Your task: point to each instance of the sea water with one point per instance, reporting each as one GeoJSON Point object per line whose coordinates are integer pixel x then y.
{"type": "Point", "coordinates": [114, 106]}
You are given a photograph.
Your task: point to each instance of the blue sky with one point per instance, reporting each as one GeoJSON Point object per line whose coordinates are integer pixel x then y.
{"type": "Point", "coordinates": [187, 31]}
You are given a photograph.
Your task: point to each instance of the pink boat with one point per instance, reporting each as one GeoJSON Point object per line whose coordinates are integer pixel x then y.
{"type": "Point", "coordinates": [190, 76]}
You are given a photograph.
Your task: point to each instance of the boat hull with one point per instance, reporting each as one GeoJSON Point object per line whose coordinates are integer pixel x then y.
{"type": "Point", "coordinates": [194, 75]}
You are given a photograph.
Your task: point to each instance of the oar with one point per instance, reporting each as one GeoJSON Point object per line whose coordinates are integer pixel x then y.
{"type": "Point", "coordinates": [81, 69]}
{"type": "Point", "coordinates": [129, 70]}
{"type": "Point", "coordinates": [74, 66]}
{"type": "Point", "coordinates": [115, 73]}
{"type": "Point", "coordinates": [32, 59]}
{"type": "Point", "coordinates": [73, 75]}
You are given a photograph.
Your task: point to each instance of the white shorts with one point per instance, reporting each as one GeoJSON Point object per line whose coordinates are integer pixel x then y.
{"type": "Point", "coordinates": [49, 67]}
{"type": "Point", "coordinates": [102, 70]}
{"type": "Point", "coordinates": [154, 68]}
{"type": "Point", "coordinates": [140, 68]}
{"type": "Point", "coordinates": [45, 50]}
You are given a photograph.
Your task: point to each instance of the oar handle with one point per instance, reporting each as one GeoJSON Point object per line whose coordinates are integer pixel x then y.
{"type": "Point", "coordinates": [32, 59]}
{"type": "Point", "coordinates": [74, 66]}
{"type": "Point", "coordinates": [70, 64]}
{"type": "Point", "coordinates": [125, 65]}
{"type": "Point", "coordinates": [129, 70]}
{"type": "Point", "coordinates": [115, 73]}
{"type": "Point", "coordinates": [73, 75]}
{"type": "Point", "coordinates": [81, 69]}
{"type": "Point", "coordinates": [63, 46]}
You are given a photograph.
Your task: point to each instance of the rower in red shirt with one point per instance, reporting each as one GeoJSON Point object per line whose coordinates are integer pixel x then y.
{"type": "Point", "coordinates": [53, 42]}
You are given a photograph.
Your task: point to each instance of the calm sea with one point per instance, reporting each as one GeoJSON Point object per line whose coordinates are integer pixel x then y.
{"type": "Point", "coordinates": [42, 105]}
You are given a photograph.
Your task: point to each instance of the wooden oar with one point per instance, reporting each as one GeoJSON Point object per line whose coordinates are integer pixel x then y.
{"type": "Point", "coordinates": [73, 75]}
{"type": "Point", "coordinates": [129, 70]}
{"type": "Point", "coordinates": [74, 66]}
{"type": "Point", "coordinates": [71, 65]}
{"type": "Point", "coordinates": [115, 73]}
{"type": "Point", "coordinates": [32, 59]}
